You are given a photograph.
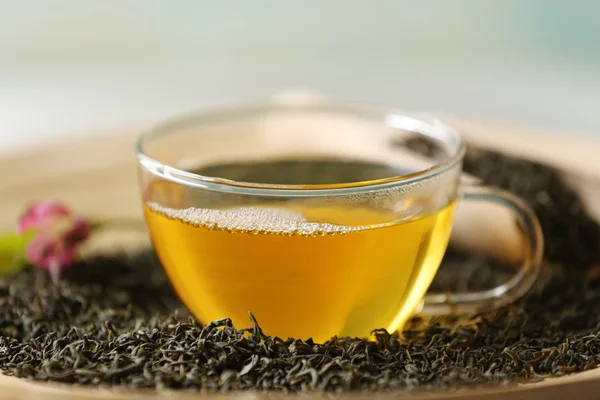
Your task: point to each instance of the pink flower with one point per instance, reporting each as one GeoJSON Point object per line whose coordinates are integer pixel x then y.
{"type": "Point", "coordinates": [57, 232]}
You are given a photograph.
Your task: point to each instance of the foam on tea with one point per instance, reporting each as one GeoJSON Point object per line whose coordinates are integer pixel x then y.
{"type": "Point", "coordinates": [302, 271]}
{"type": "Point", "coordinates": [263, 220]}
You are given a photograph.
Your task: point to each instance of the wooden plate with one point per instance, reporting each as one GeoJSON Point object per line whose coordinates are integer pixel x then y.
{"type": "Point", "coordinates": [98, 176]}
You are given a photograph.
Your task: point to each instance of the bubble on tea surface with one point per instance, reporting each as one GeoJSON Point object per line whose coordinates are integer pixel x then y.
{"type": "Point", "coordinates": [254, 219]}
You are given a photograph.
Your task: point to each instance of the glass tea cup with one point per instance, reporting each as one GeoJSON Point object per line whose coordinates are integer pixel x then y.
{"type": "Point", "coordinates": [321, 219]}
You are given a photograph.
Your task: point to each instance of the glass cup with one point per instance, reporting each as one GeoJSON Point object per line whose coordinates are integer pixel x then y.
{"type": "Point", "coordinates": [321, 219]}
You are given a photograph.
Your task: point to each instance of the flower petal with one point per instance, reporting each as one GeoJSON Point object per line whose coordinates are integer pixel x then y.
{"type": "Point", "coordinates": [80, 230]}
{"type": "Point", "coordinates": [41, 214]}
{"type": "Point", "coordinates": [46, 251]}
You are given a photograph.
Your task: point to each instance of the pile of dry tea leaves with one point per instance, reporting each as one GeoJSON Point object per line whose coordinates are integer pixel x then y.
{"type": "Point", "coordinates": [115, 321]}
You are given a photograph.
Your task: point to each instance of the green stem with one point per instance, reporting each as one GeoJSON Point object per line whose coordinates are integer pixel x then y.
{"type": "Point", "coordinates": [119, 223]}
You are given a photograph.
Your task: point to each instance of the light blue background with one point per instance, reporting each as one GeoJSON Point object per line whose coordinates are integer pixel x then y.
{"type": "Point", "coordinates": [69, 67]}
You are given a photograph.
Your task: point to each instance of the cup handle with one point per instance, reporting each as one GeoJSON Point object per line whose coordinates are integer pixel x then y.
{"type": "Point", "coordinates": [519, 284]}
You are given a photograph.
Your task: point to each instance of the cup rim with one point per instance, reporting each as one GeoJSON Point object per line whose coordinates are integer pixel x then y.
{"type": "Point", "coordinates": [432, 128]}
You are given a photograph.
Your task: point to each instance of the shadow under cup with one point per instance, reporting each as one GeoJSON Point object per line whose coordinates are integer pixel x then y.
{"type": "Point", "coordinates": [323, 219]}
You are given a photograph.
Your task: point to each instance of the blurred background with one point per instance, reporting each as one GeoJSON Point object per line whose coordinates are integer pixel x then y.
{"type": "Point", "coordinates": [70, 68]}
